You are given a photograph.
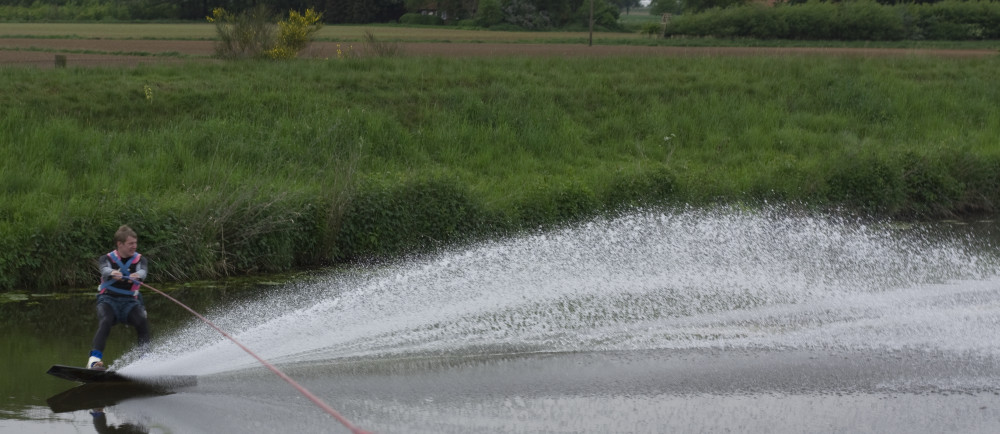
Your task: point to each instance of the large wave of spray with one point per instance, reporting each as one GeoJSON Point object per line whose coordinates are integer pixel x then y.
{"type": "Point", "coordinates": [659, 279]}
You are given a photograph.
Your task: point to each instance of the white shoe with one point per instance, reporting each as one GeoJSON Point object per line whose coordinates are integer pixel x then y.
{"type": "Point", "coordinates": [94, 363]}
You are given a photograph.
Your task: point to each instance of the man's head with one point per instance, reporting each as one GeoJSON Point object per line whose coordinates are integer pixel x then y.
{"type": "Point", "coordinates": [126, 241]}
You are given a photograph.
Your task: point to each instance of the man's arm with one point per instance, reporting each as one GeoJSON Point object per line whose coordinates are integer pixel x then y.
{"type": "Point", "coordinates": [140, 269]}
{"type": "Point", "coordinates": [105, 265]}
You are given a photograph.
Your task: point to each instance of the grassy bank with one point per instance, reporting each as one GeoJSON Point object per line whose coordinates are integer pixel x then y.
{"type": "Point", "coordinates": [265, 166]}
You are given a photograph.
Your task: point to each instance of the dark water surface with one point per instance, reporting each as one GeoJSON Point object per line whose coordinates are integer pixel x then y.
{"type": "Point", "coordinates": [694, 321]}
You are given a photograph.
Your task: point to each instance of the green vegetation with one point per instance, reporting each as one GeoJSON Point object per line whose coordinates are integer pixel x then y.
{"type": "Point", "coordinates": [850, 20]}
{"type": "Point", "coordinates": [520, 14]}
{"type": "Point", "coordinates": [264, 166]}
{"type": "Point", "coordinates": [421, 20]}
{"type": "Point", "coordinates": [252, 34]}
{"type": "Point", "coordinates": [881, 20]}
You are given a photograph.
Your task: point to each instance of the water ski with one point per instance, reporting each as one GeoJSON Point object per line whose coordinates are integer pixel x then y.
{"type": "Point", "coordinates": [84, 375]}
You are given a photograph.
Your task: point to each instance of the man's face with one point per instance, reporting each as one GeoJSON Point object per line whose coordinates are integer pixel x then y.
{"type": "Point", "coordinates": [127, 248]}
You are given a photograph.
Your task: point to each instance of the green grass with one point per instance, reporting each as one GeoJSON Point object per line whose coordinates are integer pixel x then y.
{"type": "Point", "coordinates": [238, 167]}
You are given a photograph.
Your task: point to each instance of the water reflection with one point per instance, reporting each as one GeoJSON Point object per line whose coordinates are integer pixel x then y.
{"type": "Point", "coordinates": [90, 396]}
{"type": "Point", "coordinates": [634, 392]}
{"type": "Point", "coordinates": [102, 427]}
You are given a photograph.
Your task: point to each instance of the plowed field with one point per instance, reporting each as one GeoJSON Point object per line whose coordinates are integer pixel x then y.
{"type": "Point", "coordinates": [40, 52]}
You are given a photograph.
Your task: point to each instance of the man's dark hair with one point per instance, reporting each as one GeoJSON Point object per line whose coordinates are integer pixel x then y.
{"type": "Point", "coordinates": [123, 233]}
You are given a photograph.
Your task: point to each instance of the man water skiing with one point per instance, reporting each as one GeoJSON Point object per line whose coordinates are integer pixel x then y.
{"type": "Point", "coordinates": [118, 298]}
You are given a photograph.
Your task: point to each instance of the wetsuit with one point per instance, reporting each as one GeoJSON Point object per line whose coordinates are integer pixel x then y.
{"type": "Point", "coordinates": [119, 301]}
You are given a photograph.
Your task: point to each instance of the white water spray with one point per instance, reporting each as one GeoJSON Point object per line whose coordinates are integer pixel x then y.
{"type": "Point", "coordinates": [716, 278]}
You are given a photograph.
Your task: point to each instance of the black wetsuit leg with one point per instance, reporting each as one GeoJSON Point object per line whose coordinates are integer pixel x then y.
{"type": "Point", "coordinates": [137, 318]}
{"type": "Point", "coordinates": [105, 320]}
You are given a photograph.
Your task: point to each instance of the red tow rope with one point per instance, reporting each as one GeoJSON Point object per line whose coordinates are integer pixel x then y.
{"type": "Point", "coordinates": [326, 407]}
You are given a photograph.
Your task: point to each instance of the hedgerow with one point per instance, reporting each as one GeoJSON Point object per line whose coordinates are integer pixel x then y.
{"type": "Point", "coordinates": [849, 20]}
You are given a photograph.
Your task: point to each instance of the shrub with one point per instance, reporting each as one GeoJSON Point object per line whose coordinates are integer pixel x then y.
{"type": "Point", "coordinates": [812, 20]}
{"type": "Point", "coordinates": [389, 216]}
{"type": "Point", "coordinates": [630, 190]}
{"type": "Point", "coordinates": [524, 14]}
{"type": "Point", "coordinates": [868, 20]}
{"type": "Point", "coordinates": [764, 23]}
{"type": "Point", "coordinates": [249, 34]}
{"type": "Point", "coordinates": [958, 20]}
{"type": "Point", "coordinates": [851, 20]}
{"type": "Point", "coordinates": [606, 15]}
{"type": "Point", "coordinates": [421, 19]}
{"type": "Point", "coordinates": [930, 190]}
{"type": "Point", "coordinates": [544, 204]}
{"type": "Point", "coordinates": [979, 178]}
{"type": "Point", "coordinates": [489, 13]}
{"type": "Point", "coordinates": [651, 29]}
{"type": "Point", "coordinates": [704, 5]}
{"type": "Point", "coordinates": [867, 183]}
{"type": "Point", "coordinates": [378, 48]}
{"type": "Point", "coordinates": [295, 33]}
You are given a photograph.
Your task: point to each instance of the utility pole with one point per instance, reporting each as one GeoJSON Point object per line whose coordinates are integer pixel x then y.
{"type": "Point", "coordinates": [591, 43]}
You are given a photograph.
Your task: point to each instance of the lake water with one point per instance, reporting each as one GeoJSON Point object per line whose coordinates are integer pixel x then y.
{"type": "Point", "coordinates": [697, 320]}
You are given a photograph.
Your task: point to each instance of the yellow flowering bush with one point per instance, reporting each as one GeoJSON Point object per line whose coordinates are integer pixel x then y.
{"type": "Point", "coordinates": [218, 14]}
{"type": "Point", "coordinates": [295, 33]}
{"type": "Point", "coordinates": [251, 34]}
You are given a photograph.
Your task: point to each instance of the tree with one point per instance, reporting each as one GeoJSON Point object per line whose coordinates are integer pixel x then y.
{"type": "Point", "coordinates": [704, 5]}
{"type": "Point", "coordinates": [626, 4]}
{"type": "Point", "coordinates": [524, 14]}
{"type": "Point", "coordinates": [489, 13]}
{"type": "Point", "coordinates": [560, 12]}
{"type": "Point", "coordinates": [362, 11]}
{"type": "Point", "coordinates": [660, 7]}
{"type": "Point", "coordinates": [605, 14]}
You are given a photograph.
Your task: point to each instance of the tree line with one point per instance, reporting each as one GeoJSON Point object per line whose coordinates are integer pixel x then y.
{"type": "Point", "coordinates": [658, 7]}
{"type": "Point", "coordinates": [555, 13]}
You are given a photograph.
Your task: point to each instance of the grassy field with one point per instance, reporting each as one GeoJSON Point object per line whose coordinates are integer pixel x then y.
{"type": "Point", "coordinates": [396, 33]}
{"type": "Point", "coordinates": [241, 167]}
